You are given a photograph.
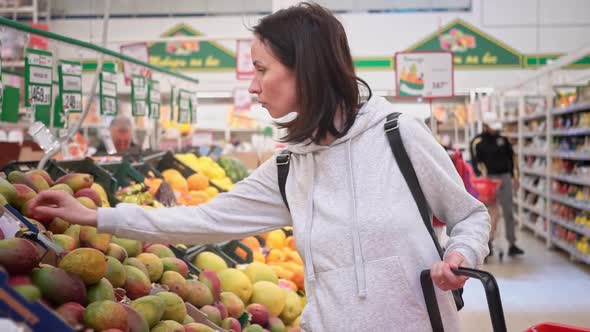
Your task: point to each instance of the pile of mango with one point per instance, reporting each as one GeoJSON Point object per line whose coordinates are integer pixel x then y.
{"type": "Point", "coordinates": [208, 167]}
{"type": "Point", "coordinates": [280, 254]}
{"type": "Point", "coordinates": [193, 190]}
{"type": "Point", "coordinates": [114, 284]}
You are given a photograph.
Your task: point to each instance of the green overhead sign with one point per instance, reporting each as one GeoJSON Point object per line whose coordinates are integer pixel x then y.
{"type": "Point", "coordinates": [472, 48]}
{"type": "Point", "coordinates": [190, 55]}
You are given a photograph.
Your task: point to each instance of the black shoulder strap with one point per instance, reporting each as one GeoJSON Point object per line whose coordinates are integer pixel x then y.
{"type": "Point", "coordinates": [283, 160]}
{"type": "Point", "coordinates": [405, 165]}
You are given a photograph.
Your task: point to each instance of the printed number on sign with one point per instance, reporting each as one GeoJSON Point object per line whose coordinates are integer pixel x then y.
{"type": "Point", "coordinates": [72, 102]}
{"type": "Point", "coordinates": [155, 111]}
{"type": "Point", "coordinates": [109, 105]}
{"type": "Point", "coordinates": [184, 117]}
{"type": "Point", "coordinates": [39, 95]}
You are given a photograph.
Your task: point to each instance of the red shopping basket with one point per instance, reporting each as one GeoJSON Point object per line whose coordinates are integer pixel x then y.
{"type": "Point", "coordinates": [494, 303]}
{"type": "Point", "coordinates": [554, 327]}
{"type": "Point", "coordinates": [487, 189]}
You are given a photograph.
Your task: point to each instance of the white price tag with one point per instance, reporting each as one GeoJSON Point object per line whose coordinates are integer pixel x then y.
{"type": "Point", "coordinates": [155, 97]}
{"type": "Point", "coordinates": [184, 116]}
{"type": "Point", "coordinates": [72, 83]}
{"type": "Point", "coordinates": [155, 111]}
{"type": "Point", "coordinates": [40, 60]}
{"type": "Point", "coordinates": [141, 93]}
{"type": "Point", "coordinates": [140, 108]}
{"type": "Point", "coordinates": [39, 95]}
{"type": "Point", "coordinates": [109, 89]}
{"type": "Point", "coordinates": [71, 69]}
{"type": "Point", "coordinates": [109, 106]}
{"type": "Point", "coordinates": [39, 75]}
{"type": "Point", "coordinates": [184, 104]}
{"type": "Point", "coordinates": [72, 102]}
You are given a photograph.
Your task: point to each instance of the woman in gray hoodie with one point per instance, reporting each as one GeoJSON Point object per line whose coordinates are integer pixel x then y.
{"type": "Point", "coordinates": [355, 221]}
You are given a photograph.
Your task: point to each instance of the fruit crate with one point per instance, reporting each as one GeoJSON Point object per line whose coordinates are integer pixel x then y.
{"type": "Point", "coordinates": [101, 176]}
{"type": "Point", "coordinates": [169, 161]}
{"type": "Point", "coordinates": [51, 167]}
{"type": "Point", "coordinates": [233, 247]}
{"type": "Point", "coordinates": [124, 173]}
{"type": "Point", "coordinates": [36, 316]}
{"type": "Point", "coordinates": [192, 252]}
{"type": "Point", "coordinates": [147, 169]}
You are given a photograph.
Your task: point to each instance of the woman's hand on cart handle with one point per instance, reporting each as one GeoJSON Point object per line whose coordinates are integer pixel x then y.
{"type": "Point", "coordinates": [56, 203]}
{"type": "Point", "coordinates": [443, 277]}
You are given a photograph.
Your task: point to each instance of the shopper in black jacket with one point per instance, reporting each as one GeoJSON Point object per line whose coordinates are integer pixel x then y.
{"type": "Point", "coordinates": [493, 157]}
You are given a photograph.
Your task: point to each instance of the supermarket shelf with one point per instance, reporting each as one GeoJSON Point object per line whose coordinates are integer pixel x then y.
{"type": "Point", "coordinates": [571, 155]}
{"type": "Point", "coordinates": [510, 120]}
{"type": "Point", "coordinates": [534, 116]}
{"type": "Point", "coordinates": [534, 172]}
{"type": "Point", "coordinates": [514, 201]}
{"type": "Point", "coordinates": [572, 109]}
{"type": "Point", "coordinates": [571, 250]}
{"type": "Point", "coordinates": [534, 191]}
{"type": "Point", "coordinates": [533, 209]}
{"type": "Point", "coordinates": [572, 179]}
{"type": "Point", "coordinates": [511, 135]}
{"type": "Point", "coordinates": [534, 152]}
{"type": "Point", "coordinates": [534, 228]}
{"type": "Point", "coordinates": [533, 134]}
{"type": "Point", "coordinates": [571, 132]}
{"type": "Point", "coordinates": [571, 202]}
{"type": "Point", "coordinates": [571, 226]}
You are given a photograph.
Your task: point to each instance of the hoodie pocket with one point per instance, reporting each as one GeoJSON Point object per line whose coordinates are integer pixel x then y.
{"type": "Point", "coordinates": [390, 305]}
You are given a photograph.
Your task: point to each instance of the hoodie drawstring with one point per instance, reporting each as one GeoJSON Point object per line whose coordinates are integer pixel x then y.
{"type": "Point", "coordinates": [359, 266]}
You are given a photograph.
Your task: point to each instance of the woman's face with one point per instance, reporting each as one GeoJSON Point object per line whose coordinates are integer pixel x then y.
{"type": "Point", "coordinates": [273, 82]}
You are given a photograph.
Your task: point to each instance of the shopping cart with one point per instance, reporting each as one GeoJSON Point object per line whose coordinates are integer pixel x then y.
{"type": "Point", "coordinates": [494, 303]}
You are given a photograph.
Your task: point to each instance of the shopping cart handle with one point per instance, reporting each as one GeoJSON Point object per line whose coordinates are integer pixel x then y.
{"type": "Point", "coordinates": [492, 294]}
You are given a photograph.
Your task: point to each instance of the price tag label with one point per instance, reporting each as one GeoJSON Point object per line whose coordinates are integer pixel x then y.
{"type": "Point", "coordinates": [72, 102]}
{"type": "Point", "coordinates": [38, 78]}
{"type": "Point", "coordinates": [184, 106]}
{"type": "Point", "coordinates": [39, 95]}
{"type": "Point", "coordinates": [70, 86]}
{"type": "Point", "coordinates": [139, 94]}
{"type": "Point", "coordinates": [109, 106]}
{"type": "Point", "coordinates": [154, 99]}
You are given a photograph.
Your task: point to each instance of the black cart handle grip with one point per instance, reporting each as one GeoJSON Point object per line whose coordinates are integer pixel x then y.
{"type": "Point", "coordinates": [492, 294]}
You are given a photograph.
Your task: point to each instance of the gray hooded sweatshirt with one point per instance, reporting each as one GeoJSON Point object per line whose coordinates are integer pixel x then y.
{"type": "Point", "coordinates": [355, 223]}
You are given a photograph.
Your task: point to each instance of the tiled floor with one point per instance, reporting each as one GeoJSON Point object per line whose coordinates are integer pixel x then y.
{"type": "Point", "coordinates": [541, 286]}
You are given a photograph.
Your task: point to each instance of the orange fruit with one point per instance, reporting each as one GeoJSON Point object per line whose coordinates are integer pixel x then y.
{"type": "Point", "coordinates": [275, 256]}
{"type": "Point", "coordinates": [299, 279]}
{"type": "Point", "coordinates": [282, 273]}
{"type": "Point", "coordinates": [153, 184]}
{"type": "Point", "coordinates": [178, 183]}
{"type": "Point", "coordinates": [276, 239]}
{"type": "Point", "coordinates": [290, 243]}
{"type": "Point", "coordinates": [252, 243]}
{"type": "Point", "coordinates": [258, 257]}
{"type": "Point", "coordinates": [211, 191]}
{"type": "Point", "coordinates": [197, 181]}
{"type": "Point", "coordinates": [199, 196]}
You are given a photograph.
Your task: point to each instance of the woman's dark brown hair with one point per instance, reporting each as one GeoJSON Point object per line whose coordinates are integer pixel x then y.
{"type": "Point", "coordinates": [309, 40]}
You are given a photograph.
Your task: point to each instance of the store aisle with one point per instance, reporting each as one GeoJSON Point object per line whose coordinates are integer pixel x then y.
{"type": "Point", "coordinates": [541, 286]}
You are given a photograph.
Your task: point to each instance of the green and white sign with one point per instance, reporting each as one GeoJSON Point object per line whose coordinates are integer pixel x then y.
{"type": "Point", "coordinates": [70, 86]}
{"type": "Point", "coordinates": [1, 84]}
{"type": "Point", "coordinates": [108, 94]}
{"type": "Point", "coordinates": [194, 107]}
{"type": "Point", "coordinates": [472, 48]}
{"type": "Point", "coordinates": [184, 106]}
{"type": "Point", "coordinates": [190, 55]}
{"type": "Point", "coordinates": [154, 99]}
{"type": "Point", "coordinates": [38, 78]}
{"type": "Point", "coordinates": [139, 94]}
{"type": "Point", "coordinates": [424, 74]}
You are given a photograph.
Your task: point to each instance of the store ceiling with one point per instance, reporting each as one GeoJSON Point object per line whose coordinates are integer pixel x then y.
{"type": "Point", "coordinates": [135, 8]}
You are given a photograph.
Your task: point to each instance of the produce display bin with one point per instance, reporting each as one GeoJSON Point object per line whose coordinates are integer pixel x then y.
{"type": "Point", "coordinates": [51, 167]}
{"type": "Point", "coordinates": [192, 252]}
{"type": "Point", "coordinates": [101, 176]}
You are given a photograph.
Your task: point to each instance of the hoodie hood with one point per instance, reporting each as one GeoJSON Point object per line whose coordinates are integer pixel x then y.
{"type": "Point", "coordinates": [370, 114]}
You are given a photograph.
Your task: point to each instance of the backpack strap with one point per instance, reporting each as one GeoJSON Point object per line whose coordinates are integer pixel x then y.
{"type": "Point", "coordinates": [405, 165]}
{"type": "Point", "coordinates": [283, 159]}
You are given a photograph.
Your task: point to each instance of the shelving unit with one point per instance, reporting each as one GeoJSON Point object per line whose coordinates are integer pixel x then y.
{"type": "Point", "coordinates": [567, 181]}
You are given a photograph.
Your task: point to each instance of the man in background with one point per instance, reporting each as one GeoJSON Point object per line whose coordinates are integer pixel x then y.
{"type": "Point", "coordinates": [492, 156]}
{"type": "Point", "coordinates": [121, 130]}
